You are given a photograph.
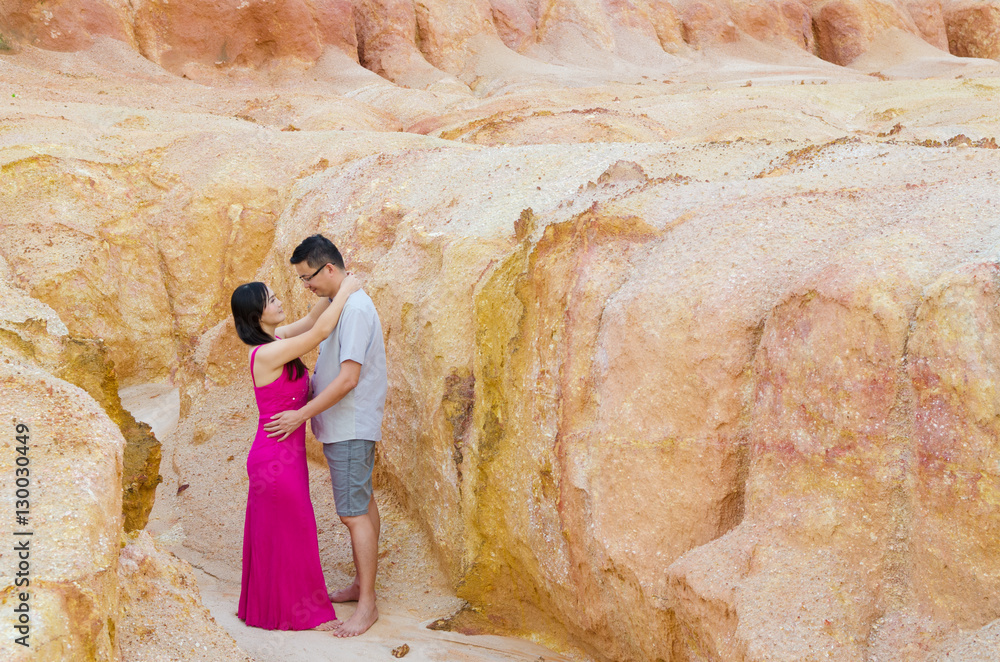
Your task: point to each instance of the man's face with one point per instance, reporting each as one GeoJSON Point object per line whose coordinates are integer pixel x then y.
{"type": "Point", "coordinates": [322, 281]}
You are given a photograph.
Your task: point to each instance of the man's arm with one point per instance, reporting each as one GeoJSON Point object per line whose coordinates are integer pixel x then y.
{"type": "Point", "coordinates": [301, 326]}
{"type": "Point", "coordinates": [283, 424]}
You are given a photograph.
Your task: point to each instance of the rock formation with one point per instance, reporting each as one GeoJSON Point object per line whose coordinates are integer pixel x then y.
{"type": "Point", "coordinates": [928, 16]}
{"type": "Point", "coordinates": [845, 28]}
{"type": "Point", "coordinates": [84, 363]}
{"type": "Point", "coordinates": [162, 617]}
{"type": "Point", "coordinates": [74, 482]}
{"type": "Point", "coordinates": [425, 44]}
{"type": "Point", "coordinates": [245, 33]}
{"type": "Point", "coordinates": [974, 29]}
{"type": "Point", "coordinates": [630, 400]}
{"type": "Point", "coordinates": [41, 341]}
{"type": "Point", "coordinates": [73, 500]}
{"type": "Point", "coordinates": [65, 25]}
{"type": "Point", "coordinates": [690, 357]}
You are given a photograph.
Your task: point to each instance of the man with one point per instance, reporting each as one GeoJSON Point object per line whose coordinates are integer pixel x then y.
{"type": "Point", "coordinates": [349, 387]}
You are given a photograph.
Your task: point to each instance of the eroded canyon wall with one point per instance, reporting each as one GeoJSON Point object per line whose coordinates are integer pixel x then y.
{"type": "Point", "coordinates": [86, 591]}
{"type": "Point", "coordinates": [422, 44]}
{"type": "Point", "coordinates": [615, 396]}
{"type": "Point", "coordinates": [729, 390]}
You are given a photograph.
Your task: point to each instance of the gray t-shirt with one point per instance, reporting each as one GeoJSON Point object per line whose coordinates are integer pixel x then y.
{"type": "Point", "coordinates": [357, 337]}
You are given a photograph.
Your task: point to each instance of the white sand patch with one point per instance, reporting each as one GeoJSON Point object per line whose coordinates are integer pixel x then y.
{"type": "Point", "coordinates": [157, 405]}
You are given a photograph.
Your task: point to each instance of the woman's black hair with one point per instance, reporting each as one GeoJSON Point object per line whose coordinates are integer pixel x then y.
{"type": "Point", "coordinates": [248, 303]}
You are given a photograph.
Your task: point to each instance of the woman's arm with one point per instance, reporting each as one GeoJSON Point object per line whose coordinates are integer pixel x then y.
{"type": "Point", "coordinates": [284, 423]}
{"type": "Point", "coordinates": [299, 327]}
{"type": "Point", "coordinates": [272, 356]}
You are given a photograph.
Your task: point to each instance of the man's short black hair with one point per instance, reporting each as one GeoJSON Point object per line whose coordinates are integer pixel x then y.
{"type": "Point", "coordinates": [316, 251]}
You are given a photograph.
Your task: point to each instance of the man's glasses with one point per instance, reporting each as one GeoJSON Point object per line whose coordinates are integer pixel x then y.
{"type": "Point", "coordinates": [306, 279]}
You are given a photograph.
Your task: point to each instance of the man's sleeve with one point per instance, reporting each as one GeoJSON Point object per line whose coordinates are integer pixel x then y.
{"type": "Point", "coordinates": [354, 333]}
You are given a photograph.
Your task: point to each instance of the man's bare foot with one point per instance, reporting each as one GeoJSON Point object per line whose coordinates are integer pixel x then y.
{"type": "Point", "coordinates": [358, 623]}
{"type": "Point", "coordinates": [349, 594]}
{"type": "Point", "coordinates": [329, 626]}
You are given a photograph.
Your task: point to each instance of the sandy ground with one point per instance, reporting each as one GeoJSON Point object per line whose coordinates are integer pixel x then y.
{"type": "Point", "coordinates": [405, 608]}
{"type": "Point", "coordinates": [396, 627]}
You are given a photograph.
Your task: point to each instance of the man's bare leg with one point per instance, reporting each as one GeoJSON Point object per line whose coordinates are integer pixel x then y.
{"type": "Point", "coordinates": [352, 592]}
{"type": "Point", "coordinates": [364, 531]}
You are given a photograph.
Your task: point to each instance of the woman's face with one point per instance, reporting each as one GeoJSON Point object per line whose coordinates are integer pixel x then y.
{"type": "Point", "coordinates": [273, 313]}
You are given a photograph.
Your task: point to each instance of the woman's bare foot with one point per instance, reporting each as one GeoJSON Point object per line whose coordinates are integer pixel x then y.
{"type": "Point", "coordinates": [359, 622]}
{"type": "Point", "coordinates": [349, 594]}
{"type": "Point", "coordinates": [329, 626]}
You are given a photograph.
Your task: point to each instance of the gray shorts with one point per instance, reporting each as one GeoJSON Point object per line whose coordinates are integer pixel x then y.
{"type": "Point", "coordinates": [351, 464]}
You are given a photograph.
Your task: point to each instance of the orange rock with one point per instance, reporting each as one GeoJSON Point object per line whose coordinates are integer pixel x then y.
{"type": "Point", "coordinates": [824, 408]}
{"type": "Point", "coordinates": [655, 22]}
{"type": "Point", "coordinates": [385, 27]}
{"type": "Point", "coordinates": [776, 21]}
{"type": "Point", "coordinates": [162, 616]}
{"type": "Point", "coordinates": [74, 456]}
{"type": "Point", "coordinates": [928, 16]}
{"type": "Point", "coordinates": [514, 22]}
{"type": "Point", "coordinates": [85, 363]}
{"type": "Point", "coordinates": [954, 362]}
{"type": "Point", "coordinates": [773, 21]}
{"type": "Point", "coordinates": [706, 23]}
{"type": "Point", "coordinates": [627, 408]}
{"type": "Point", "coordinates": [667, 24]}
{"type": "Point", "coordinates": [91, 259]}
{"type": "Point", "coordinates": [445, 28]}
{"type": "Point", "coordinates": [973, 29]}
{"type": "Point", "coordinates": [562, 20]}
{"type": "Point", "coordinates": [241, 32]}
{"type": "Point", "coordinates": [335, 25]}
{"type": "Point", "coordinates": [845, 28]}
{"type": "Point", "coordinates": [621, 380]}
{"type": "Point", "coordinates": [35, 335]}
{"type": "Point", "coordinates": [66, 25]}
{"type": "Point", "coordinates": [635, 29]}
{"type": "Point", "coordinates": [387, 43]}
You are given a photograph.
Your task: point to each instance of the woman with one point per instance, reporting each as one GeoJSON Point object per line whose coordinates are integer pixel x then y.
{"type": "Point", "coordinates": [283, 585]}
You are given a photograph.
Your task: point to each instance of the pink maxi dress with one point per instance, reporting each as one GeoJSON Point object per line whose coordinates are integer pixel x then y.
{"type": "Point", "coordinates": [283, 586]}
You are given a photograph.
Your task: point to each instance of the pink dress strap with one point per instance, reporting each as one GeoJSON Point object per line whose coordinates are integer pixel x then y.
{"type": "Point", "coordinates": [253, 354]}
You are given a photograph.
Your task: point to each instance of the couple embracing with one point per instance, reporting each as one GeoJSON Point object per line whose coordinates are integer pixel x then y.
{"type": "Point", "coordinates": [283, 585]}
